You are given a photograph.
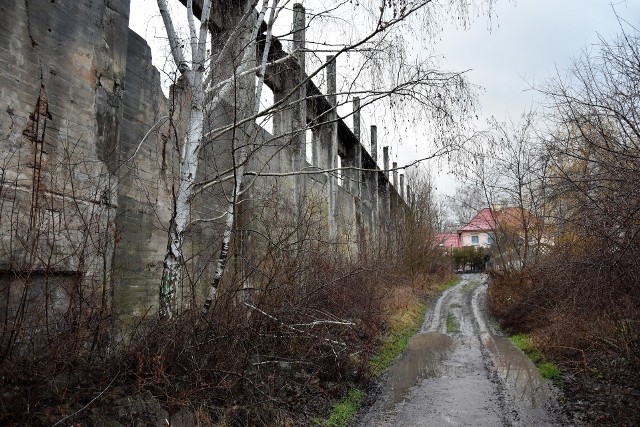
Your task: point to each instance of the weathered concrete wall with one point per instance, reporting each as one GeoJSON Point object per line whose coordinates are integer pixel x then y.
{"type": "Point", "coordinates": [88, 159]}
{"type": "Point", "coordinates": [144, 170]}
{"type": "Point", "coordinates": [61, 74]}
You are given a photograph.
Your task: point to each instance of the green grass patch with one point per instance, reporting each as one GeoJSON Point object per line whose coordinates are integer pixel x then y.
{"type": "Point", "coordinates": [521, 341]}
{"type": "Point", "coordinates": [548, 370]}
{"type": "Point", "coordinates": [452, 324]}
{"type": "Point", "coordinates": [344, 410]}
{"type": "Point", "coordinates": [396, 341]}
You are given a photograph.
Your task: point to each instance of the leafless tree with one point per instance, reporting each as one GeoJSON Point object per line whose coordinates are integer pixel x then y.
{"type": "Point", "coordinates": [385, 74]}
{"type": "Point", "coordinates": [416, 231]}
{"type": "Point", "coordinates": [585, 173]}
{"type": "Point", "coordinates": [465, 203]}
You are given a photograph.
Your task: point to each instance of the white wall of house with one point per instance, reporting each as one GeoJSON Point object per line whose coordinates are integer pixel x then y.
{"type": "Point", "coordinates": [476, 238]}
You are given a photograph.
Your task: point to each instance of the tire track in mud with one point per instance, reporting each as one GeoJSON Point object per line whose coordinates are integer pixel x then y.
{"type": "Point", "coordinates": [459, 371]}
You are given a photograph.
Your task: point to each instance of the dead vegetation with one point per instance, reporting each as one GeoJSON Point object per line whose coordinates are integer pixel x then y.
{"type": "Point", "coordinates": [276, 354]}
{"type": "Point", "coordinates": [280, 359]}
{"type": "Point", "coordinates": [584, 317]}
{"type": "Point", "coordinates": [578, 298]}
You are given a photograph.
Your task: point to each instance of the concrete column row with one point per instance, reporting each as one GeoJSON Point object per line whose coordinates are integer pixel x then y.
{"type": "Point", "coordinates": [362, 183]}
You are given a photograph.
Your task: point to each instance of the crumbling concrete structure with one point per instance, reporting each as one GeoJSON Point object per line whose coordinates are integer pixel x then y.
{"type": "Point", "coordinates": [88, 145]}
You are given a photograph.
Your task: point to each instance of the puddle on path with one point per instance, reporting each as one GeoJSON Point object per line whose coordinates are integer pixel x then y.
{"type": "Point", "coordinates": [419, 360]}
{"type": "Point", "coordinates": [474, 378]}
{"type": "Point", "coordinates": [521, 376]}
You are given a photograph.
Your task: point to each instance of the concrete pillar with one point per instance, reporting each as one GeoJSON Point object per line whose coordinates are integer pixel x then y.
{"type": "Point", "coordinates": [356, 161]}
{"type": "Point", "coordinates": [395, 177]}
{"type": "Point", "coordinates": [386, 204]}
{"type": "Point", "coordinates": [356, 117]}
{"type": "Point", "coordinates": [332, 152]}
{"type": "Point", "coordinates": [373, 177]}
{"type": "Point", "coordinates": [299, 114]}
{"type": "Point", "coordinates": [409, 195]}
{"type": "Point", "coordinates": [358, 184]}
{"type": "Point", "coordinates": [394, 204]}
{"type": "Point", "coordinates": [385, 190]}
{"type": "Point", "coordinates": [385, 157]}
{"type": "Point", "coordinates": [401, 189]}
{"type": "Point", "coordinates": [299, 32]}
{"type": "Point", "coordinates": [374, 144]}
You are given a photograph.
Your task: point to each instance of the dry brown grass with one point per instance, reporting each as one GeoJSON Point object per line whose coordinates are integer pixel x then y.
{"type": "Point", "coordinates": [280, 360]}
{"type": "Point", "coordinates": [583, 314]}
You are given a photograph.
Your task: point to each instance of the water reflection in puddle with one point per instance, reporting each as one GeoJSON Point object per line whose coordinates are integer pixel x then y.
{"type": "Point", "coordinates": [520, 375]}
{"type": "Point", "coordinates": [419, 360]}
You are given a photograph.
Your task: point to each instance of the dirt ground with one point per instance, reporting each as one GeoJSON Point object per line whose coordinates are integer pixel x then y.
{"type": "Point", "coordinates": [460, 371]}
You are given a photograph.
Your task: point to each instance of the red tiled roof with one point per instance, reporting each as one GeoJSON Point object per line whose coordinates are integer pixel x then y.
{"type": "Point", "coordinates": [448, 240]}
{"type": "Point", "coordinates": [485, 221]}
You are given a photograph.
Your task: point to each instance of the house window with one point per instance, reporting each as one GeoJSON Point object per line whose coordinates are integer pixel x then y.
{"type": "Point", "coordinates": [475, 240]}
{"type": "Point", "coordinates": [490, 239]}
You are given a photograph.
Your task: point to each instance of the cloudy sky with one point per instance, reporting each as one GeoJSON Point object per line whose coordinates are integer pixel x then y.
{"type": "Point", "coordinates": [524, 43]}
{"type": "Point", "coordinates": [529, 40]}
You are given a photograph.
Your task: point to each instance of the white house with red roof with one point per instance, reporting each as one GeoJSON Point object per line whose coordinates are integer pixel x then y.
{"type": "Point", "coordinates": [480, 231]}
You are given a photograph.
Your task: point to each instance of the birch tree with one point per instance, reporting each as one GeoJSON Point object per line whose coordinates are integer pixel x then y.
{"type": "Point", "coordinates": [194, 77]}
{"type": "Point", "coordinates": [194, 73]}
{"type": "Point", "coordinates": [396, 80]}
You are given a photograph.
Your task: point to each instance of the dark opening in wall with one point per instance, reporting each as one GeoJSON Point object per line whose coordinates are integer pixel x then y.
{"type": "Point", "coordinates": [36, 305]}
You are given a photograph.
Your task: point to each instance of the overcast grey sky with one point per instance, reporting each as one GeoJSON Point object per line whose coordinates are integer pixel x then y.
{"type": "Point", "coordinates": [527, 42]}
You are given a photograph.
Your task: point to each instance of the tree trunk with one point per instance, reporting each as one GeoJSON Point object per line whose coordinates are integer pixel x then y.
{"type": "Point", "coordinates": [173, 260]}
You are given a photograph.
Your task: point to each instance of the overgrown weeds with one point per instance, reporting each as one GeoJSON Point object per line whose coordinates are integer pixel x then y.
{"type": "Point", "coordinates": [281, 357]}
{"type": "Point", "coordinates": [583, 324]}
{"type": "Point", "coordinates": [255, 361]}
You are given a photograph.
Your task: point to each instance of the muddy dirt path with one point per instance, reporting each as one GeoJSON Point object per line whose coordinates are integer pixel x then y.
{"type": "Point", "coordinates": [459, 371]}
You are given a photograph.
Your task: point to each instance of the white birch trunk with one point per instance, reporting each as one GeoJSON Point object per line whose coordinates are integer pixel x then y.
{"type": "Point", "coordinates": [171, 275]}
{"type": "Point", "coordinates": [242, 156]}
{"type": "Point", "coordinates": [172, 266]}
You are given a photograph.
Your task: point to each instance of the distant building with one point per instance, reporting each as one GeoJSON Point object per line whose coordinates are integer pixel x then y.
{"type": "Point", "coordinates": [481, 230]}
{"type": "Point", "coordinates": [448, 241]}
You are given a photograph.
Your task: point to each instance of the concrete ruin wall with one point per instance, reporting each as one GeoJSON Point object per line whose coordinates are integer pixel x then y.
{"type": "Point", "coordinates": [144, 196]}
{"type": "Point", "coordinates": [62, 67]}
{"type": "Point", "coordinates": [88, 158]}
